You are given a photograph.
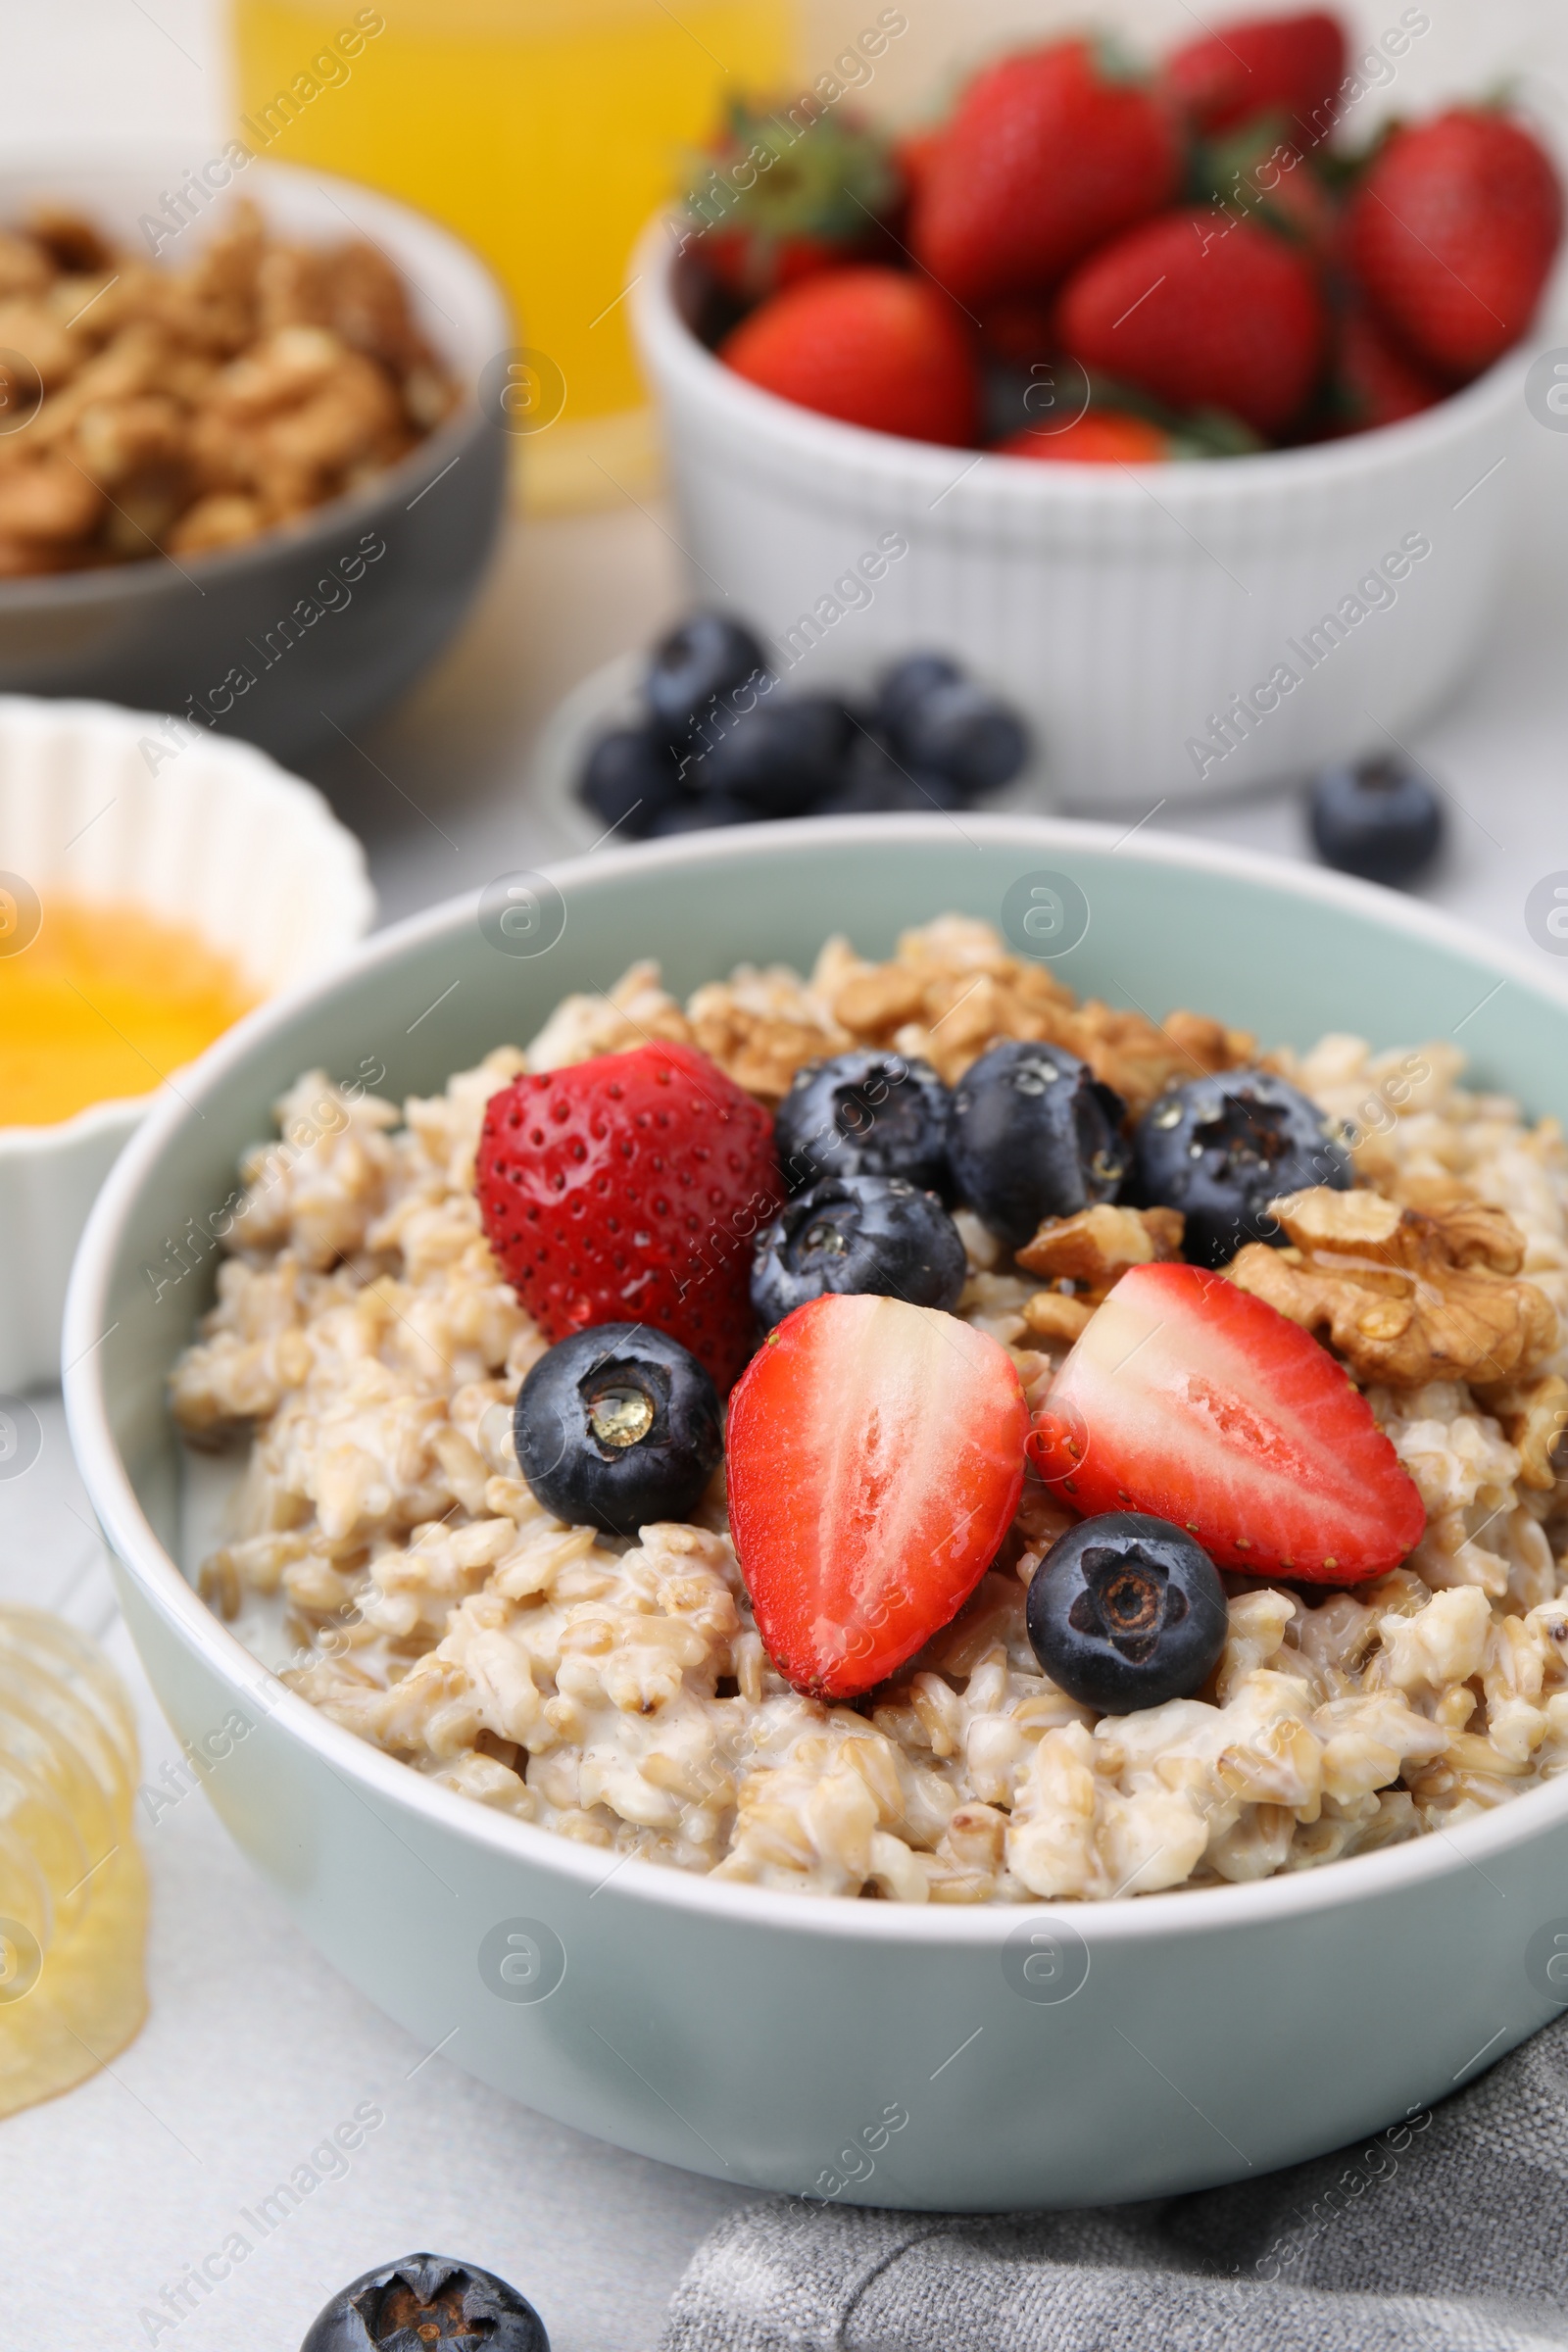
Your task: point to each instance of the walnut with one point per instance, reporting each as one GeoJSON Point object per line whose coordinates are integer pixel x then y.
{"type": "Point", "coordinates": [70, 242]}
{"type": "Point", "coordinates": [24, 268]}
{"type": "Point", "coordinates": [1052, 1316]}
{"type": "Point", "coordinates": [208, 401]}
{"type": "Point", "coordinates": [1405, 1297]}
{"type": "Point", "coordinates": [50, 500]}
{"type": "Point", "coordinates": [1096, 1247]}
{"type": "Point", "coordinates": [1091, 1252]}
{"type": "Point", "coordinates": [1534, 1414]}
{"type": "Point", "coordinates": [880, 999]}
{"type": "Point", "coordinates": [760, 1054]}
{"type": "Point", "coordinates": [223, 518]}
{"type": "Point", "coordinates": [370, 308]}
{"type": "Point", "coordinates": [952, 989]}
{"type": "Point", "coordinates": [762, 1027]}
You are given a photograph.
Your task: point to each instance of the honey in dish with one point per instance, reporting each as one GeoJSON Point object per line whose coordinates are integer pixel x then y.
{"type": "Point", "coordinates": [105, 1001]}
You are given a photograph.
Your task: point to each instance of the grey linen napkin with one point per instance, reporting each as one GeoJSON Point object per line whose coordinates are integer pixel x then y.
{"type": "Point", "coordinates": [1450, 2231]}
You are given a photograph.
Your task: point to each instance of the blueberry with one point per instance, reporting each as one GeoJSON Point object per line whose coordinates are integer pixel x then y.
{"type": "Point", "coordinates": [962, 731]}
{"type": "Point", "coordinates": [871, 1234]}
{"type": "Point", "coordinates": [779, 758]}
{"type": "Point", "coordinates": [1221, 1148]}
{"type": "Point", "coordinates": [1126, 1612]}
{"type": "Point", "coordinates": [908, 681]}
{"type": "Point", "coordinates": [864, 1113]}
{"type": "Point", "coordinates": [876, 784]}
{"type": "Point", "coordinates": [1380, 818]}
{"type": "Point", "coordinates": [426, 2299]}
{"type": "Point", "coordinates": [699, 816]}
{"type": "Point", "coordinates": [1032, 1134]}
{"type": "Point", "coordinates": [629, 780]}
{"type": "Point", "coordinates": [616, 1426]}
{"type": "Point", "coordinates": [708, 655]}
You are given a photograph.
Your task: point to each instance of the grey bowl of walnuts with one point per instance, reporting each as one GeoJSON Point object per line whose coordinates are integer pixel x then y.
{"type": "Point", "coordinates": [247, 478]}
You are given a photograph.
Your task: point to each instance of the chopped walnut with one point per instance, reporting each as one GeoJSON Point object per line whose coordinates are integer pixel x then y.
{"type": "Point", "coordinates": [1534, 1414]}
{"type": "Point", "coordinates": [190, 409]}
{"type": "Point", "coordinates": [1404, 1296]}
{"type": "Point", "coordinates": [1089, 1253]}
{"type": "Point", "coordinates": [762, 1027]}
{"type": "Point", "coordinates": [1095, 1249]}
{"type": "Point", "coordinates": [952, 990]}
{"type": "Point", "coordinates": [1053, 1316]}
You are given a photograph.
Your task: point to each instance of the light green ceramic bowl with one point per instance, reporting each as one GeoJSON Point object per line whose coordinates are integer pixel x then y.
{"type": "Point", "coordinates": [1054, 2055]}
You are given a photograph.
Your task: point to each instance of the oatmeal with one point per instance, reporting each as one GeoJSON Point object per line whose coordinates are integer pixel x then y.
{"type": "Point", "coordinates": [616, 1689]}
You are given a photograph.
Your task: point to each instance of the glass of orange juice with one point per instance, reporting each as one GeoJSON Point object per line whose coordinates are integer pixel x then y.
{"type": "Point", "coordinates": [542, 131]}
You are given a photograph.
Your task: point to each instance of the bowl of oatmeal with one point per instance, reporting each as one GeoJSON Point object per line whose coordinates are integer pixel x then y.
{"type": "Point", "coordinates": [882, 1898]}
{"type": "Point", "coordinates": [244, 472]}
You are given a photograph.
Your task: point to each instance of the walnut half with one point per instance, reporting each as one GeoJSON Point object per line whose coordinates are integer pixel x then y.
{"type": "Point", "coordinates": [1404, 1296]}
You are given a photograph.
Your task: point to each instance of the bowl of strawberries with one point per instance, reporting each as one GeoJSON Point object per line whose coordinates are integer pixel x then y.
{"type": "Point", "coordinates": [1185, 401]}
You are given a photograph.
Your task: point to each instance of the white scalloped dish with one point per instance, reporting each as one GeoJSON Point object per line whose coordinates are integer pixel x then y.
{"type": "Point", "coordinates": [105, 805]}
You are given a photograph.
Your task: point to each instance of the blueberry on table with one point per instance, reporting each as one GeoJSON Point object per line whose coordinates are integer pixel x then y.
{"type": "Point", "coordinates": [779, 758]}
{"type": "Point", "coordinates": [428, 2300]}
{"type": "Point", "coordinates": [908, 681]}
{"type": "Point", "coordinates": [616, 1427]}
{"type": "Point", "coordinates": [1379, 818]}
{"type": "Point", "coordinates": [858, 1235]}
{"type": "Point", "coordinates": [1221, 1148]}
{"type": "Point", "coordinates": [688, 816]}
{"type": "Point", "coordinates": [629, 780]}
{"type": "Point", "coordinates": [962, 731]}
{"type": "Point", "coordinates": [1125, 1612]}
{"type": "Point", "coordinates": [864, 1113]}
{"type": "Point", "coordinates": [707, 656]}
{"type": "Point", "coordinates": [1033, 1134]}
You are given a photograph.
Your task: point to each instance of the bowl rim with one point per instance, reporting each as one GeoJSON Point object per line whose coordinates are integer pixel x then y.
{"type": "Point", "coordinates": [673, 352]}
{"type": "Point", "coordinates": [236, 760]}
{"type": "Point", "coordinates": [1359, 1879]}
{"type": "Point", "coordinates": [159, 574]}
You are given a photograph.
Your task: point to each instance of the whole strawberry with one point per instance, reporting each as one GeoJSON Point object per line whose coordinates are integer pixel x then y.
{"type": "Point", "coordinates": [1100, 437]}
{"type": "Point", "coordinates": [1452, 234]}
{"type": "Point", "coordinates": [875, 347]}
{"type": "Point", "coordinates": [627, 1189]}
{"type": "Point", "coordinates": [1049, 153]}
{"type": "Point", "coordinates": [1291, 65]}
{"type": "Point", "coordinates": [1226, 317]}
{"type": "Point", "coordinates": [1254, 170]}
{"type": "Point", "coordinates": [770, 207]}
{"type": "Point", "coordinates": [1374, 383]}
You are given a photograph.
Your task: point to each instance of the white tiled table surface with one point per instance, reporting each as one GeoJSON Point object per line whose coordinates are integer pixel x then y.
{"type": "Point", "coordinates": [255, 2048]}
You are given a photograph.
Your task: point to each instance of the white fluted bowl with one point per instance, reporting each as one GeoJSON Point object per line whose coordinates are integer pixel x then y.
{"type": "Point", "coordinates": [1123, 608]}
{"type": "Point", "coordinates": [216, 837]}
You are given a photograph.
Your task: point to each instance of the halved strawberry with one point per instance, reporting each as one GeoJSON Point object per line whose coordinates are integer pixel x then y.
{"type": "Point", "coordinates": [626, 1190]}
{"type": "Point", "coordinates": [1195, 1403]}
{"type": "Point", "coordinates": [876, 1460]}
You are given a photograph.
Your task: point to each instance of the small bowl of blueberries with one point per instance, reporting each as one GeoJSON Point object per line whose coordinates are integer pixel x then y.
{"type": "Point", "coordinates": [705, 732]}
